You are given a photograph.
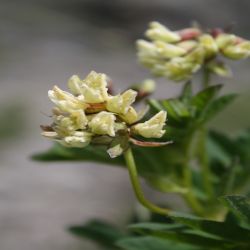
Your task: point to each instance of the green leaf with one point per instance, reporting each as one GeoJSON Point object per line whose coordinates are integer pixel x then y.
{"type": "Point", "coordinates": [90, 153]}
{"type": "Point", "coordinates": [194, 239]}
{"type": "Point", "coordinates": [176, 108]}
{"type": "Point", "coordinates": [166, 184]}
{"type": "Point", "coordinates": [98, 231]}
{"type": "Point", "coordinates": [155, 105]}
{"type": "Point", "coordinates": [151, 243]}
{"type": "Point", "coordinates": [240, 205]}
{"type": "Point", "coordinates": [155, 226]}
{"type": "Point", "coordinates": [203, 98]}
{"type": "Point", "coordinates": [217, 106]}
{"type": "Point", "coordinates": [187, 92]}
{"type": "Point", "coordinates": [227, 231]}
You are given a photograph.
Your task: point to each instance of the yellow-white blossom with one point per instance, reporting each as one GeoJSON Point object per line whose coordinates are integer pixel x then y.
{"type": "Point", "coordinates": [152, 128]}
{"type": "Point", "coordinates": [67, 124]}
{"type": "Point", "coordinates": [178, 55]}
{"type": "Point", "coordinates": [115, 151]}
{"type": "Point", "coordinates": [131, 116]}
{"type": "Point", "coordinates": [238, 51]}
{"type": "Point", "coordinates": [120, 103]}
{"type": "Point", "coordinates": [65, 101]}
{"type": "Point", "coordinates": [168, 50]}
{"type": "Point", "coordinates": [224, 40]}
{"type": "Point", "coordinates": [209, 44]}
{"type": "Point", "coordinates": [78, 139]}
{"type": "Point", "coordinates": [158, 31]}
{"type": "Point", "coordinates": [148, 54]}
{"type": "Point", "coordinates": [74, 84]}
{"type": "Point", "coordinates": [90, 115]}
{"type": "Point", "coordinates": [103, 123]}
{"type": "Point", "coordinates": [93, 87]}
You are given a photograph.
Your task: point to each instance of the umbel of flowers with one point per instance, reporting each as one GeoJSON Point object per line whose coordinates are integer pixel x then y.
{"type": "Point", "coordinates": [89, 114]}
{"type": "Point", "coordinates": [178, 54]}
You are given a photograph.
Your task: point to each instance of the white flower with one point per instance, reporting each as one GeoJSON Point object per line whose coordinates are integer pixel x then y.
{"type": "Point", "coordinates": [103, 123]}
{"type": "Point", "coordinates": [65, 101]}
{"type": "Point", "coordinates": [120, 104]}
{"type": "Point", "coordinates": [153, 127]}
{"type": "Point", "coordinates": [78, 139]}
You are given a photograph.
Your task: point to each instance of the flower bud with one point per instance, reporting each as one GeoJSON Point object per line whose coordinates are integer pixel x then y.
{"type": "Point", "coordinates": [115, 151]}
{"type": "Point", "coordinates": [209, 45]}
{"type": "Point", "coordinates": [153, 127]}
{"type": "Point", "coordinates": [219, 68]}
{"type": "Point", "coordinates": [188, 45]}
{"type": "Point", "coordinates": [103, 123]}
{"type": "Point", "coordinates": [224, 40]}
{"type": "Point", "coordinates": [147, 53]}
{"type": "Point", "coordinates": [168, 50]}
{"type": "Point", "coordinates": [50, 134]}
{"type": "Point", "coordinates": [237, 52]}
{"type": "Point", "coordinates": [79, 139]}
{"type": "Point", "coordinates": [147, 86]}
{"type": "Point", "coordinates": [74, 84]}
{"type": "Point", "coordinates": [131, 116]}
{"type": "Point", "coordinates": [158, 31]}
{"type": "Point", "coordinates": [189, 33]}
{"type": "Point", "coordinates": [120, 104]}
{"type": "Point", "coordinates": [196, 56]}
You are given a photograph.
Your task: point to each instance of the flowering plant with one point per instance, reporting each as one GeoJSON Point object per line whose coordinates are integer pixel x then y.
{"type": "Point", "coordinates": [201, 165]}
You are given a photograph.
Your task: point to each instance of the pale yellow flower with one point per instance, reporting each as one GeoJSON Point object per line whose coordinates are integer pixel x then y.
{"type": "Point", "coordinates": [115, 151]}
{"type": "Point", "coordinates": [78, 139]}
{"type": "Point", "coordinates": [120, 103]}
{"type": "Point", "coordinates": [103, 123]}
{"type": "Point", "coordinates": [74, 84]}
{"type": "Point", "coordinates": [167, 50]}
{"type": "Point", "coordinates": [152, 128]}
{"type": "Point", "coordinates": [224, 40]}
{"type": "Point", "coordinates": [94, 88]}
{"type": "Point", "coordinates": [65, 125]}
{"type": "Point", "coordinates": [237, 52]}
{"type": "Point", "coordinates": [131, 116]}
{"type": "Point", "coordinates": [209, 45]}
{"type": "Point", "coordinates": [50, 134]}
{"type": "Point", "coordinates": [66, 101]}
{"type": "Point", "coordinates": [148, 53]}
{"type": "Point", "coordinates": [158, 31]}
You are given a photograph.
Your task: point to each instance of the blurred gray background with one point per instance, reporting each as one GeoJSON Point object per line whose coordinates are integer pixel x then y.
{"type": "Point", "coordinates": [43, 43]}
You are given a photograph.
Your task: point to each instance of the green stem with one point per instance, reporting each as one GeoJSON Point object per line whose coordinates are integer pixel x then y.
{"type": "Point", "coordinates": [129, 158]}
{"type": "Point", "coordinates": [191, 200]}
{"type": "Point", "coordinates": [206, 173]}
{"type": "Point", "coordinates": [206, 77]}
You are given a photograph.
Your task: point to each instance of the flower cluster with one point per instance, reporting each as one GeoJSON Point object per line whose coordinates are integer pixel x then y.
{"type": "Point", "coordinates": [89, 114]}
{"type": "Point", "coordinates": [178, 54]}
